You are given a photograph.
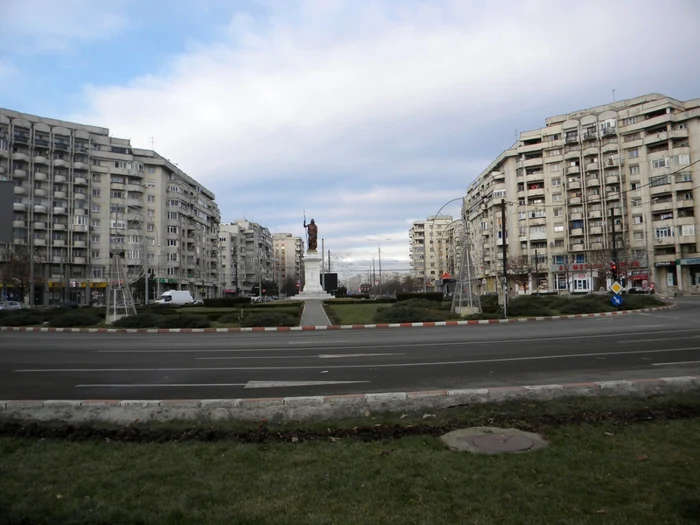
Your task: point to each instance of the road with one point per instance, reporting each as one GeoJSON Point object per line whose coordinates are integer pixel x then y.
{"type": "Point", "coordinates": [270, 364]}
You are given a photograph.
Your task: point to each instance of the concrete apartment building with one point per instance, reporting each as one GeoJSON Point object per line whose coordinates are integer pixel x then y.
{"type": "Point", "coordinates": [437, 233]}
{"type": "Point", "coordinates": [247, 256]}
{"type": "Point", "coordinates": [626, 170]}
{"type": "Point", "coordinates": [288, 253]}
{"type": "Point", "coordinates": [80, 195]}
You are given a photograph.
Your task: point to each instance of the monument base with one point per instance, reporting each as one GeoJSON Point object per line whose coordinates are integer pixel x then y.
{"type": "Point", "coordinates": [312, 282]}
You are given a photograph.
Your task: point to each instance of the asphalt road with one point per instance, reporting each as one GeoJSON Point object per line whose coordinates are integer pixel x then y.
{"type": "Point", "coordinates": [270, 364]}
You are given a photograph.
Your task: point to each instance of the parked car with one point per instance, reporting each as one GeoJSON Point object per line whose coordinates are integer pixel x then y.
{"type": "Point", "coordinates": [198, 302]}
{"type": "Point", "coordinates": [10, 305]}
{"type": "Point", "coordinates": [68, 305]}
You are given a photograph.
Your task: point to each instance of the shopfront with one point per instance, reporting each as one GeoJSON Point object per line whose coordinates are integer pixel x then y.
{"type": "Point", "coordinates": [666, 278]}
{"type": "Point", "coordinates": [690, 273]}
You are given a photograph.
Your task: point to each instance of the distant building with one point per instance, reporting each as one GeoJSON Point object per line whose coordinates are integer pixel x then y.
{"type": "Point", "coordinates": [288, 251]}
{"type": "Point", "coordinates": [434, 234]}
{"type": "Point", "coordinates": [247, 257]}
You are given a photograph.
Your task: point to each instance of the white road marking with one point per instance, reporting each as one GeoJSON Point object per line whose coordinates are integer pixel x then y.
{"type": "Point", "coordinates": [320, 356]}
{"type": "Point", "coordinates": [404, 345]}
{"type": "Point", "coordinates": [658, 315]}
{"type": "Point", "coordinates": [309, 342]}
{"type": "Point", "coordinates": [283, 384]}
{"type": "Point", "coordinates": [654, 340]}
{"type": "Point", "coordinates": [381, 365]}
{"type": "Point", "coordinates": [676, 363]}
{"type": "Point", "coordinates": [158, 385]}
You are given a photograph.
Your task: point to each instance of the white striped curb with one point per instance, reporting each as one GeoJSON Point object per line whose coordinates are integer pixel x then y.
{"type": "Point", "coordinates": [318, 407]}
{"type": "Point", "coordinates": [431, 324]}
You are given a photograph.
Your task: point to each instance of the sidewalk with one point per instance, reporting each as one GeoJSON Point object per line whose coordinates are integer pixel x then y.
{"type": "Point", "coordinates": [314, 314]}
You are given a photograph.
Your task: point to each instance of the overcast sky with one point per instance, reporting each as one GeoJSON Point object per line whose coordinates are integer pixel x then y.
{"type": "Point", "coordinates": [367, 115]}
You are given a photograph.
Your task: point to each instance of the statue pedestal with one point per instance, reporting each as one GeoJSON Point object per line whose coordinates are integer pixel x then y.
{"type": "Point", "coordinates": [312, 282]}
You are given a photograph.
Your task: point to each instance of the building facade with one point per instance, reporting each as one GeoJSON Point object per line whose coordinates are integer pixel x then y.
{"type": "Point", "coordinates": [288, 256]}
{"type": "Point", "coordinates": [437, 234]}
{"type": "Point", "coordinates": [595, 194]}
{"type": "Point", "coordinates": [247, 256]}
{"type": "Point", "coordinates": [81, 196]}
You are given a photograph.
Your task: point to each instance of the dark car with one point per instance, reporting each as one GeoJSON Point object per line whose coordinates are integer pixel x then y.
{"type": "Point", "coordinates": [68, 305]}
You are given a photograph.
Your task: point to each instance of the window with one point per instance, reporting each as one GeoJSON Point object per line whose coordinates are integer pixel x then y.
{"type": "Point", "coordinates": [688, 229]}
{"type": "Point", "coordinates": [151, 185]}
{"type": "Point", "coordinates": [151, 213]}
{"type": "Point", "coordinates": [631, 137]}
{"type": "Point", "coordinates": [80, 220]}
{"type": "Point", "coordinates": [557, 212]}
{"type": "Point", "coordinates": [637, 219]}
{"type": "Point", "coordinates": [173, 229]}
{"type": "Point", "coordinates": [556, 182]}
{"type": "Point", "coordinates": [151, 169]}
{"type": "Point", "coordinates": [580, 258]}
{"type": "Point", "coordinates": [660, 163]}
{"type": "Point", "coordinates": [555, 167]}
{"type": "Point", "coordinates": [172, 242]}
{"type": "Point", "coordinates": [116, 194]}
{"type": "Point", "coordinates": [633, 153]}
{"type": "Point", "coordinates": [117, 180]}
{"type": "Point", "coordinates": [628, 121]}
{"type": "Point", "coordinates": [133, 254]}
{"type": "Point", "coordinates": [172, 257]}
{"type": "Point", "coordinates": [117, 224]}
{"type": "Point", "coordinates": [659, 181]}
{"type": "Point", "coordinates": [172, 215]}
{"type": "Point", "coordinates": [95, 254]}
{"type": "Point", "coordinates": [634, 170]}
{"type": "Point", "coordinates": [636, 202]}
{"type": "Point", "coordinates": [95, 223]}
{"type": "Point", "coordinates": [635, 185]}
{"type": "Point", "coordinates": [556, 197]}
{"type": "Point", "coordinates": [682, 160]}
{"type": "Point", "coordinates": [95, 208]}
{"type": "Point", "coordinates": [95, 238]}
{"type": "Point", "coordinates": [151, 198]}
{"type": "Point", "coordinates": [638, 236]}
{"type": "Point", "coordinates": [98, 272]}
{"type": "Point", "coordinates": [661, 233]}
{"type": "Point", "coordinates": [135, 239]}
{"type": "Point", "coordinates": [558, 227]}
{"type": "Point", "coordinates": [150, 227]}
{"type": "Point", "coordinates": [554, 152]}
{"type": "Point", "coordinates": [497, 194]}
{"type": "Point", "coordinates": [117, 239]}
{"type": "Point", "coordinates": [96, 177]}
{"type": "Point", "coordinates": [96, 192]}
{"type": "Point", "coordinates": [684, 176]}
{"type": "Point", "coordinates": [171, 271]}
{"type": "Point", "coordinates": [580, 284]}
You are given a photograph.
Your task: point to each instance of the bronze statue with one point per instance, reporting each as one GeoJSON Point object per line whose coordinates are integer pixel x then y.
{"type": "Point", "coordinates": [312, 235]}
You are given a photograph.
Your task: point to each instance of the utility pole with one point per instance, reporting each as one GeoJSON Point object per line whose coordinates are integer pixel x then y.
{"type": "Point", "coordinates": [505, 257]}
{"type": "Point", "coordinates": [614, 247]}
{"type": "Point", "coordinates": [379, 250]}
{"type": "Point", "coordinates": [323, 265]}
{"type": "Point", "coordinates": [537, 287]}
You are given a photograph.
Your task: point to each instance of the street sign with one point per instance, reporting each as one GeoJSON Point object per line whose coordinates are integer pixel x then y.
{"type": "Point", "coordinates": [616, 300]}
{"type": "Point", "coordinates": [616, 288]}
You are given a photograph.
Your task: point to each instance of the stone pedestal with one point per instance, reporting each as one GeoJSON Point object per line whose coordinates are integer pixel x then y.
{"type": "Point", "coordinates": [312, 283]}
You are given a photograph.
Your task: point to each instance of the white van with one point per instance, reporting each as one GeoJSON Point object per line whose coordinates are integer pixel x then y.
{"type": "Point", "coordinates": [176, 297]}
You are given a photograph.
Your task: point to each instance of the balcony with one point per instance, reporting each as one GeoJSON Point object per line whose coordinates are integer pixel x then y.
{"type": "Point", "coordinates": [684, 203]}
{"type": "Point", "coordinates": [59, 194]}
{"type": "Point", "coordinates": [57, 259]}
{"type": "Point", "coordinates": [79, 260]}
{"type": "Point", "coordinates": [610, 148]}
{"type": "Point", "coordinates": [59, 179]}
{"type": "Point", "coordinates": [614, 162]}
{"type": "Point", "coordinates": [590, 150]}
{"type": "Point", "coordinates": [79, 211]}
{"type": "Point", "coordinates": [679, 133]}
{"type": "Point", "coordinates": [80, 196]}
{"type": "Point", "coordinates": [612, 179]}
{"type": "Point", "coordinates": [80, 228]}
{"type": "Point", "coordinates": [571, 139]}
{"type": "Point", "coordinates": [20, 173]}
{"type": "Point", "coordinates": [39, 208]}
{"type": "Point", "coordinates": [80, 165]}
{"type": "Point", "coordinates": [39, 225]}
{"type": "Point", "coordinates": [535, 192]}
{"type": "Point", "coordinates": [576, 231]}
{"type": "Point", "coordinates": [593, 198]}
{"type": "Point", "coordinates": [60, 163]}
{"type": "Point", "coordinates": [40, 159]}
{"type": "Point", "coordinates": [21, 156]}
{"type": "Point", "coordinates": [80, 181]}
{"type": "Point", "coordinates": [594, 214]}
{"type": "Point", "coordinates": [573, 169]}
{"type": "Point", "coordinates": [20, 242]}
{"type": "Point", "coordinates": [4, 153]}
{"type": "Point", "coordinates": [575, 216]}
{"type": "Point", "coordinates": [19, 224]}
{"type": "Point", "coordinates": [592, 182]}
{"type": "Point", "coordinates": [40, 192]}
{"type": "Point", "coordinates": [572, 153]}
{"type": "Point", "coordinates": [532, 162]}
{"type": "Point", "coordinates": [597, 246]}
{"type": "Point", "coordinates": [661, 136]}
{"type": "Point", "coordinates": [39, 242]}
{"type": "Point", "coordinates": [577, 247]}
{"type": "Point", "coordinates": [19, 206]}
{"type": "Point", "coordinates": [59, 226]}
{"type": "Point", "coordinates": [576, 185]}
{"type": "Point", "coordinates": [575, 200]}
{"type": "Point", "coordinates": [59, 242]}
{"type": "Point", "coordinates": [41, 176]}
{"type": "Point", "coordinates": [79, 244]}
{"type": "Point", "coordinates": [592, 166]}
{"type": "Point", "coordinates": [134, 188]}
{"type": "Point", "coordinates": [612, 195]}
{"type": "Point", "coordinates": [59, 210]}
{"type": "Point", "coordinates": [666, 241]}
{"type": "Point", "coordinates": [686, 239]}
{"type": "Point", "coordinates": [19, 190]}
{"type": "Point", "coordinates": [595, 230]}
{"type": "Point", "coordinates": [684, 186]}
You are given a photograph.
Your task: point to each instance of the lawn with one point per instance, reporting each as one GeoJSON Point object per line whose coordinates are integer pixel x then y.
{"type": "Point", "coordinates": [619, 469]}
{"type": "Point", "coordinates": [354, 313]}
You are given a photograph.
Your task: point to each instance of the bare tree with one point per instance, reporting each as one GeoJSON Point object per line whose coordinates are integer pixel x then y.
{"type": "Point", "coordinates": [520, 270]}
{"type": "Point", "coordinates": [15, 271]}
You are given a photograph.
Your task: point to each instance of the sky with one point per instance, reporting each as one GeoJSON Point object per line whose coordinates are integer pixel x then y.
{"type": "Point", "coordinates": [365, 115]}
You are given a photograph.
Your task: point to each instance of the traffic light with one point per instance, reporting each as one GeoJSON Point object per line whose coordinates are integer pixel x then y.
{"type": "Point", "coordinates": [613, 270]}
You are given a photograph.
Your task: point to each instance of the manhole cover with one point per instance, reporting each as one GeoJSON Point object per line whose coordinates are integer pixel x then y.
{"type": "Point", "coordinates": [503, 442]}
{"type": "Point", "coordinates": [490, 440]}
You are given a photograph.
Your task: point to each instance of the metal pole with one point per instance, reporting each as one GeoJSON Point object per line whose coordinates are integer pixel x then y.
{"type": "Point", "coordinates": [260, 275]}
{"type": "Point", "coordinates": [537, 287]}
{"type": "Point", "coordinates": [145, 268]}
{"type": "Point", "coordinates": [31, 270]}
{"type": "Point", "coordinates": [614, 246]}
{"type": "Point", "coordinates": [505, 257]}
{"type": "Point", "coordinates": [323, 265]}
{"type": "Point", "coordinates": [379, 249]}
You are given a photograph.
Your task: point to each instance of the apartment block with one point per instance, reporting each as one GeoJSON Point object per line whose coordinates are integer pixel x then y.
{"type": "Point", "coordinates": [247, 255]}
{"type": "Point", "coordinates": [82, 196]}
{"type": "Point", "coordinates": [608, 189]}
{"type": "Point", "coordinates": [288, 255]}
{"type": "Point", "coordinates": [433, 249]}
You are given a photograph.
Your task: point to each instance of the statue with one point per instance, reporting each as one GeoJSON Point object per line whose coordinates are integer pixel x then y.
{"type": "Point", "coordinates": [312, 235]}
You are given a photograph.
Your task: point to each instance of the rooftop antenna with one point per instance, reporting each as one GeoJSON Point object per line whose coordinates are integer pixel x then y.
{"type": "Point", "coordinates": [153, 143]}
{"type": "Point", "coordinates": [613, 95]}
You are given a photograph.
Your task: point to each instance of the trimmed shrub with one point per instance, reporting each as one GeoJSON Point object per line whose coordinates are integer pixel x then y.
{"type": "Point", "coordinates": [633, 301]}
{"type": "Point", "coordinates": [409, 314]}
{"type": "Point", "coordinates": [75, 318]}
{"type": "Point", "coordinates": [230, 318]}
{"type": "Point", "coordinates": [420, 303]}
{"type": "Point", "coordinates": [21, 318]}
{"type": "Point", "coordinates": [588, 304]}
{"type": "Point", "coordinates": [528, 306]}
{"type": "Point", "coordinates": [142, 320]}
{"type": "Point", "coordinates": [183, 321]}
{"type": "Point", "coordinates": [359, 296]}
{"type": "Point", "coordinates": [269, 319]}
{"type": "Point", "coordinates": [480, 317]}
{"type": "Point", "coordinates": [489, 304]}
{"type": "Point", "coordinates": [430, 296]}
{"type": "Point", "coordinates": [226, 302]}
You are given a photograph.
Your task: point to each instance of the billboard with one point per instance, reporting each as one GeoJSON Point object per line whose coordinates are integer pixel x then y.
{"type": "Point", "coordinates": [7, 197]}
{"type": "Point", "coordinates": [329, 282]}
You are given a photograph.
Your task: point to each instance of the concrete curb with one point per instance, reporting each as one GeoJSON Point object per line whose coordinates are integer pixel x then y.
{"type": "Point", "coordinates": [280, 409]}
{"type": "Point", "coordinates": [314, 328]}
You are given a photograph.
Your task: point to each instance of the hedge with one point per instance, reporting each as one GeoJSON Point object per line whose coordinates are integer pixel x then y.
{"type": "Point", "coordinates": [225, 302]}
{"type": "Point", "coordinates": [409, 314]}
{"type": "Point", "coordinates": [269, 319]}
{"type": "Point", "coordinates": [431, 296]}
{"type": "Point", "coordinates": [75, 318]}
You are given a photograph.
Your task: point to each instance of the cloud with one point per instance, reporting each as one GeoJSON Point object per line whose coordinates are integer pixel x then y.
{"type": "Point", "coordinates": [367, 113]}
{"type": "Point", "coordinates": [46, 26]}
